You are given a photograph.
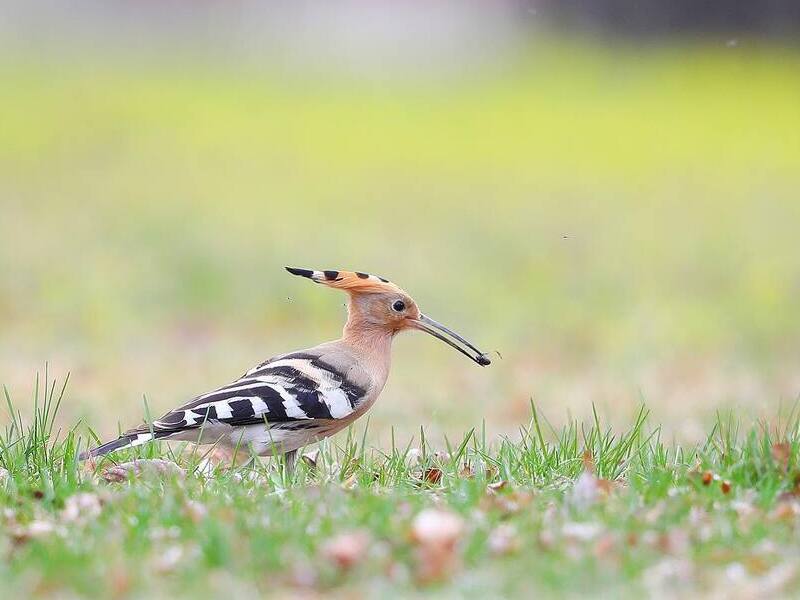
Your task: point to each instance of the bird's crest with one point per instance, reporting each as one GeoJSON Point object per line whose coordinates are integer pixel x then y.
{"type": "Point", "coordinates": [354, 281]}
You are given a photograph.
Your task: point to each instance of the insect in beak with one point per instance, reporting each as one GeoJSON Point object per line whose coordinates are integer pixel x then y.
{"type": "Point", "coordinates": [441, 332]}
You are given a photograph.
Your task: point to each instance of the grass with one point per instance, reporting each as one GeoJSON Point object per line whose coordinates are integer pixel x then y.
{"type": "Point", "coordinates": [582, 509]}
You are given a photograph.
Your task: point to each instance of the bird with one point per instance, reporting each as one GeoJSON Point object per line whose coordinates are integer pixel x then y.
{"type": "Point", "coordinates": [292, 400]}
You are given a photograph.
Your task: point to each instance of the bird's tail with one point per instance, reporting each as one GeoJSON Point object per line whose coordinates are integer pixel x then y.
{"type": "Point", "coordinates": [129, 439]}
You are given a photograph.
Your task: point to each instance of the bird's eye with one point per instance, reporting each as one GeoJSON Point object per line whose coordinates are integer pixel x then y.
{"type": "Point", "coordinates": [398, 306]}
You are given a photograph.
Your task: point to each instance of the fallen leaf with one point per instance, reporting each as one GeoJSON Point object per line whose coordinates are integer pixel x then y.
{"type": "Point", "coordinates": [9, 517]}
{"type": "Point", "coordinates": [785, 510]}
{"type": "Point", "coordinates": [585, 491]}
{"type": "Point", "coordinates": [89, 465]}
{"type": "Point", "coordinates": [436, 533]}
{"type": "Point", "coordinates": [442, 457]}
{"type": "Point", "coordinates": [674, 541]}
{"type": "Point", "coordinates": [136, 468]}
{"type": "Point", "coordinates": [665, 577]}
{"type": "Point", "coordinates": [735, 573]}
{"type": "Point", "coordinates": [223, 458]}
{"type": "Point", "coordinates": [432, 475]}
{"type": "Point", "coordinates": [303, 576]}
{"type": "Point", "coordinates": [588, 488]}
{"type": "Point", "coordinates": [588, 462]}
{"type": "Point", "coordinates": [196, 511]}
{"type": "Point", "coordinates": [413, 455]}
{"type": "Point", "coordinates": [794, 491]}
{"type": "Point", "coordinates": [119, 581]}
{"type": "Point", "coordinates": [580, 532]}
{"type": "Point", "coordinates": [81, 507]}
{"type": "Point", "coordinates": [781, 453]}
{"type": "Point", "coordinates": [40, 528]}
{"type": "Point", "coordinates": [547, 539]}
{"type": "Point", "coordinates": [496, 486]}
{"type": "Point", "coordinates": [466, 472]}
{"type": "Point", "coordinates": [310, 458]}
{"type": "Point", "coordinates": [500, 497]}
{"type": "Point", "coordinates": [436, 527]}
{"type": "Point", "coordinates": [654, 514]}
{"type": "Point", "coordinates": [168, 560]}
{"type": "Point", "coordinates": [755, 565]}
{"type": "Point", "coordinates": [515, 501]}
{"type": "Point", "coordinates": [160, 534]}
{"type": "Point", "coordinates": [604, 546]}
{"type": "Point", "coordinates": [775, 581]}
{"type": "Point", "coordinates": [350, 483]}
{"type": "Point", "coordinates": [397, 572]}
{"type": "Point", "coordinates": [34, 530]}
{"type": "Point", "coordinates": [346, 550]}
{"type": "Point", "coordinates": [698, 516]}
{"type": "Point", "coordinates": [606, 486]}
{"type": "Point", "coordinates": [503, 540]}
{"type": "Point", "coordinates": [747, 512]}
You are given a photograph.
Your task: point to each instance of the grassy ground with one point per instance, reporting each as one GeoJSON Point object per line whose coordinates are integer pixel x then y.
{"type": "Point", "coordinates": [551, 512]}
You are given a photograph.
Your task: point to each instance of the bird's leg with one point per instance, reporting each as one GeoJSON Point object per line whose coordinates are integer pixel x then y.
{"type": "Point", "coordinates": [291, 459]}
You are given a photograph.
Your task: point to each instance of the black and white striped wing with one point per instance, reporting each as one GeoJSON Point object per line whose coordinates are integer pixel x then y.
{"type": "Point", "coordinates": [290, 388]}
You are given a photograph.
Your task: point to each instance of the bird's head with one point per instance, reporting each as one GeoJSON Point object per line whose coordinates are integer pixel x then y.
{"type": "Point", "coordinates": [378, 304]}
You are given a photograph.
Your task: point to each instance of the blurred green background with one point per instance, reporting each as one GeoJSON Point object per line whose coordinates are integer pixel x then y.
{"type": "Point", "coordinates": [620, 221]}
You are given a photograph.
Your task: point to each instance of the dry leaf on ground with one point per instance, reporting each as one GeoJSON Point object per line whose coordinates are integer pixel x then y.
{"type": "Point", "coordinates": [781, 453]}
{"type": "Point", "coordinates": [432, 475]}
{"type": "Point", "coordinates": [346, 550]}
{"type": "Point", "coordinates": [588, 488]}
{"type": "Point", "coordinates": [503, 540]}
{"type": "Point", "coordinates": [136, 468]}
{"type": "Point", "coordinates": [311, 458]}
{"type": "Point", "coordinates": [168, 560]}
{"type": "Point", "coordinates": [436, 533]}
{"type": "Point", "coordinates": [496, 486]}
{"type": "Point", "coordinates": [38, 529]}
{"type": "Point", "coordinates": [196, 511]}
{"type": "Point", "coordinates": [81, 507]}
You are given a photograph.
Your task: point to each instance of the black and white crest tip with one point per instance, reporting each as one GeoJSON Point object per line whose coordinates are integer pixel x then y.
{"type": "Point", "coordinates": [300, 272]}
{"type": "Point", "coordinates": [347, 280]}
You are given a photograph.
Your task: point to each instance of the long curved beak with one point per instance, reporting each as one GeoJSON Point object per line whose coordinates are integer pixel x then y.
{"type": "Point", "coordinates": [449, 337]}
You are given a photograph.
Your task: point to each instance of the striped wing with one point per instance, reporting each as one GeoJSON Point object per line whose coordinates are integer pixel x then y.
{"type": "Point", "coordinates": [291, 388]}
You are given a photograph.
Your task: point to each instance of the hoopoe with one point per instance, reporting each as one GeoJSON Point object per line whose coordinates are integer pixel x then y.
{"type": "Point", "coordinates": [294, 399]}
